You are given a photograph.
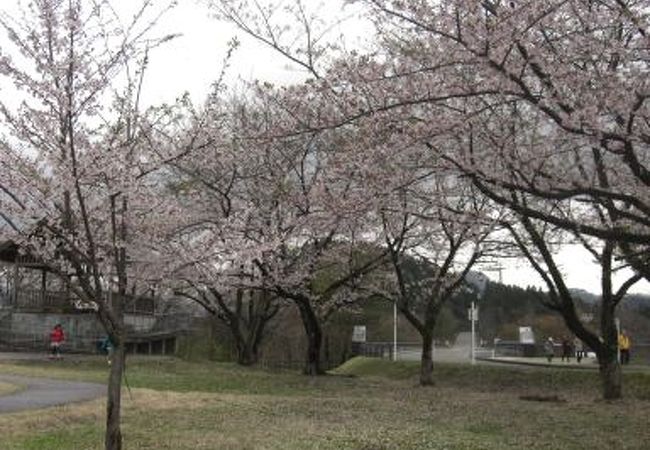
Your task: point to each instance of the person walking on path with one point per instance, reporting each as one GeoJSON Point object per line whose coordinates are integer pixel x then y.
{"type": "Point", "coordinates": [56, 340]}
{"type": "Point", "coordinates": [579, 347]}
{"type": "Point", "coordinates": [106, 347]}
{"type": "Point", "coordinates": [624, 346]}
{"type": "Point", "coordinates": [566, 349]}
{"type": "Point", "coordinates": [549, 349]}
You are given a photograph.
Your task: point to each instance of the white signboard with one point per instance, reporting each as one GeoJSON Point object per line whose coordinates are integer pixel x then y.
{"type": "Point", "coordinates": [526, 335]}
{"type": "Point", "coordinates": [359, 333]}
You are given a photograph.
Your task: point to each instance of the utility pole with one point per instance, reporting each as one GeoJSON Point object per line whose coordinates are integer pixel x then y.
{"type": "Point", "coordinates": [394, 331]}
{"type": "Point", "coordinates": [617, 322]}
{"type": "Point", "coordinates": [473, 317]}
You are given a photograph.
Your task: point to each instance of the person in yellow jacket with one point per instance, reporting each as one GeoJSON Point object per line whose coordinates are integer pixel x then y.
{"type": "Point", "coordinates": [624, 345]}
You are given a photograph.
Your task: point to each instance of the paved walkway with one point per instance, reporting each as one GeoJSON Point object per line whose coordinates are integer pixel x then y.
{"type": "Point", "coordinates": [43, 392]}
{"type": "Point", "coordinates": [40, 356]}
{"type": "Point", "coordinates": [460, 353]}
{"type": "Point", "coordinates": [557, 363]}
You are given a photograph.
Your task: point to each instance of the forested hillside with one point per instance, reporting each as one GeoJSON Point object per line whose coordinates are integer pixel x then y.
{"type": "Point", "coordinates": [502, 310]}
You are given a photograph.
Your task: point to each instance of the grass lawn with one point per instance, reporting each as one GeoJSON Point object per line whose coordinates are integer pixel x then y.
{"type": "Point", "coordinates": [7, 388]}
{"type": "Point", "coordinates": [368, 405]}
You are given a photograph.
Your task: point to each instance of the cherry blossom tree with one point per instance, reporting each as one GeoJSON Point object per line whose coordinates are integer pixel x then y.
{"type": "Point", "coordinates": [305, 33]}
{"type": "Point", "coordinates": [532, 238]}
{"type": "Point", "coordinates": [264, 210]}
{"type": "Point", "coordinates": [574, 72]}
{"type": "Point", "coordinates": [528, 157]}
{"type": "Point", "coordinates": [310, 222]}
{"type": "Point", "coordinates": [542, 105]}
{"type": "Point", "coordinates": [76, 183]}
{"type": "Point", "coordinates": [433, 242]}
{"type": "Point", "coordinates": [215, 189]}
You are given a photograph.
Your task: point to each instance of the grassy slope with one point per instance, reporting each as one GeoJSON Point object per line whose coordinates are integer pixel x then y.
{"type": "Point", "coordinates": [178, 405]}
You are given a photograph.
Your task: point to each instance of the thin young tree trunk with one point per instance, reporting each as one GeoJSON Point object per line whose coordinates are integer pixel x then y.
{"type": "Point", "coordinates": [114, 324]}
{"type": "Point", "coordinates": [426, 362]}
{"type": "Point", "coordinates": [113, 437]}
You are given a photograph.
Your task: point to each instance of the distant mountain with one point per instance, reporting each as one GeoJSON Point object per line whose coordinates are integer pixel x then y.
{"type": "Point", "coordinates": [631, 300]}
{"type": "Point", "coordinates": [585, 296]}
{"type": "Point", "coordinates": [637, 301]}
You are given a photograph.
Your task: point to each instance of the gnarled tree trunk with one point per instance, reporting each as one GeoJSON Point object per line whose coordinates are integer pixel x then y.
{"type": "Point", "coordinates": [247, 351]}
{"type": "Point", "coordinates": [314, 338]}
{"type": "Point", "coordinates": [248, 324]}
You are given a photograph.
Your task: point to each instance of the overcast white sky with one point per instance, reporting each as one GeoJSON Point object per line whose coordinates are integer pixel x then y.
{"type": "Point", "coordinates": [193, 61]}
{"type": "Point", "coordinates": [577, 265]}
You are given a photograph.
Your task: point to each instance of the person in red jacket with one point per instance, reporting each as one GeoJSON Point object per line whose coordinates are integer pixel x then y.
{"type": "Point", "coordinates": [56, 340]}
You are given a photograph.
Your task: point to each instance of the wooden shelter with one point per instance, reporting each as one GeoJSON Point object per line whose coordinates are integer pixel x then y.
{"type": "Point", "coordinates": [33, 299]}
{"type": "Point", "coordinates": [29, 285]}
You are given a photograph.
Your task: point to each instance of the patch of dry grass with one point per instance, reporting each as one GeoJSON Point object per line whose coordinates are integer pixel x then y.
{"type": "Point", "coordinates": [467, 409]}
{"type": "Point", "coordinates": [8, 388]}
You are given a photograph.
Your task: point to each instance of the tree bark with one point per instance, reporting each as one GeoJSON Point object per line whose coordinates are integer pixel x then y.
{"type": "Point", "coordinates": [113, 437]}
{"type": "Point", "coordinates": [314, 338]}
{"type": "Point", "coordinates": [426, 362]}
{"type": "Point", "coordinates": [247, 354]}
{"type": "Point", "coordinates": [312, 364]}
{"type": "Point", "coordinates": [607, 353]}
{"type": "Point", "coordinates": [247, 323]}
{"type": "Point", "coordinates": [610, 375]}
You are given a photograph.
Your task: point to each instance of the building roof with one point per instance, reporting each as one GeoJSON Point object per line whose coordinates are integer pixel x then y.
{"type": "Point", "coordinates": [10, 253]}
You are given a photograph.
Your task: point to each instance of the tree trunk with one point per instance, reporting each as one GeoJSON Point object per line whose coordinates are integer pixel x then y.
{"type": "Point", "coordinates": [246, 323]}
{"type": "Point", "coordinates": [426, 362]}
{"type": "Point", "coordinates": [314, 339]}
{"type": "Point", "coordinates": [247, 352]}
{"type": "Point", "coordinates": [610, 375]}
{"type": "Point", "coordinates": [607, 352]}
{"type": "Point", "coordinates": [113, 438]}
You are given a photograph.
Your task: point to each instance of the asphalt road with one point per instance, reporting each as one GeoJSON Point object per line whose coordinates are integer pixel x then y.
{"type": "Point", "coordinates": [42, 392]}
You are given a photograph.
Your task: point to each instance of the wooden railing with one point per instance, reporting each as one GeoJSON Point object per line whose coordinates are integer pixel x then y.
{"type": "Point", "coordinates": [139, 306]}
{"type": "Point", "coordinates": [37, 300]}
{"type": "Point", "coordinates": [48, 300]}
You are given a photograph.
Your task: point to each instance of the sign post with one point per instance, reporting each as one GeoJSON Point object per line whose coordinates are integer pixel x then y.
{"type": "Point", "coordinates": [359, 334]}
{"type": "Point", "coordinates": [617, 323]}
{"type": "Point", "coordinates": [472, 314]}
{"type": "Point", "coordinates": [394, 331]}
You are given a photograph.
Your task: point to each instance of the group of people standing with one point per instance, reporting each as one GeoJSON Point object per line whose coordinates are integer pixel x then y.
{"type": "Point", "coordinates": [57, 338]}
{"type": "Point", "coordinates": [579, 349]}
{"type": "Point", "coordinates": [569, 349]}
